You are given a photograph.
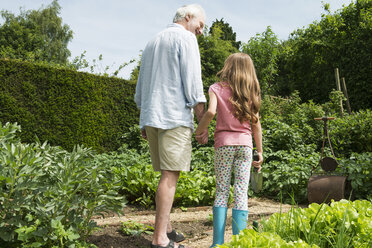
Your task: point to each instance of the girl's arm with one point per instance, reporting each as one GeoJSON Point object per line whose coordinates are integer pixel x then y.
{"type": "Point", "coordinates": [206, 119]}
{"type": "Point", "coordinates": [257, 134]}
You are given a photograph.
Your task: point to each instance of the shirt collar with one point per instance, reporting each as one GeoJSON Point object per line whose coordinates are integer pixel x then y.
{"type": "Point", "coordinates": [175, 25]}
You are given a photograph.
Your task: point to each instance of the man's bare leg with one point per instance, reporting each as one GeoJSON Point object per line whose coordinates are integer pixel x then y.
{"type": "Point", "coordinates": [164, 201]}
{"type": "Point", "coordinates": [169, 226]}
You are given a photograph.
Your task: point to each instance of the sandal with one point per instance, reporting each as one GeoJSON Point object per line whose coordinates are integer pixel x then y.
{"type": "Point", "coordinates": [175, 236]}
{"type": "Point", "coordinates": [170, 245]}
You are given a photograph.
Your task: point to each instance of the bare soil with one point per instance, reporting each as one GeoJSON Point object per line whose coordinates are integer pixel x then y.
{"type": "Point", "coordinates": [194, 223]}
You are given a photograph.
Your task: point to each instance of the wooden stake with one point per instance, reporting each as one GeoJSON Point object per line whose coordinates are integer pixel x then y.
{"type": "Point", "coordinates": [346, 95]}
{"type": "Point", "coordinates": [339, 89]}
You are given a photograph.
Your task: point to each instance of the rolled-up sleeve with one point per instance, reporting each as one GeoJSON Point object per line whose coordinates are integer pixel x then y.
{"type": "Point", "coordinates": [191, 72]}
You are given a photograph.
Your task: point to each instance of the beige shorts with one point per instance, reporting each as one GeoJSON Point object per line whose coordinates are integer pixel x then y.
{"type": "Point", "coordinates": [170, 149]}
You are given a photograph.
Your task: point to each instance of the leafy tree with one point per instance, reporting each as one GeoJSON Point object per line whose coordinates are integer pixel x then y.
{"type": "Point", "coordinates": [264, 51]}
{"type": "Point", "coordinates": [227, 32]}
{"type": "Point", "coordinates": [37, 35]}
{"type": "Point", "coordinates": [341, 40]}
{"type": "Point", "coordinates": [213, 52]}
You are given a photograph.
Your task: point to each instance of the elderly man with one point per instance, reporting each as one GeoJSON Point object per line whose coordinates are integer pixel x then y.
{"type": "Point", "coordinates": [169, 90]}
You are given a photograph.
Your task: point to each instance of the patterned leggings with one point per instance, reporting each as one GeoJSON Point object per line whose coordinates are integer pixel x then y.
{"type": "Point", "coordinates": [238, 158]}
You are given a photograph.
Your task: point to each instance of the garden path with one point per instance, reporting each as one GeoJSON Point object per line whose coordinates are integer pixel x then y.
{"type": "Point", "coordinates": [195, 223]}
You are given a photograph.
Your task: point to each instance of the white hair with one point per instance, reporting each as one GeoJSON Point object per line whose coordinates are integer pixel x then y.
{"type": "Point", "coordinates": [194, 10]}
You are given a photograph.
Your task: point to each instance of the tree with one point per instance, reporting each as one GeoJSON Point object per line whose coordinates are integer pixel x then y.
{"type": "Point", "coordinates": [213, 52]}
{"type": "Point", "coordinates": [37, 35]}
{"type": "Point", "coordinates": [340, 40]}
{"type": "Point", "coordinates": [227, 32]}
{"type": "Point", "coordinates": [264, 51]}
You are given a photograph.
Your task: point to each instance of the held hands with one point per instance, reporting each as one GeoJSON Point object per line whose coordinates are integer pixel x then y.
{"type": "Point", "coordinates": [257, 164]}
{"type": "Point", "coordinates": [202, 137]}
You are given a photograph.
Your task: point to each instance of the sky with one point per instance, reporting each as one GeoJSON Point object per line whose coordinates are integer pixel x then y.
{"type": "Point", "coordinates": [120, 29]}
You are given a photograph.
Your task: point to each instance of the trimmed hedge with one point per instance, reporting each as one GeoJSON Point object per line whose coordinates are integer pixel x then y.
{"type": "Point", "coordinates": [66, 107]}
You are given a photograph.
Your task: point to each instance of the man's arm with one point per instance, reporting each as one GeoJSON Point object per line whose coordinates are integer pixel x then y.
{"type": "Point", "coordinates": [190, 72]}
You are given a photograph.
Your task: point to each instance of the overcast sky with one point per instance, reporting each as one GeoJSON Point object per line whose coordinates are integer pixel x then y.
{"type": "Point", "coordinates": [120, 29]}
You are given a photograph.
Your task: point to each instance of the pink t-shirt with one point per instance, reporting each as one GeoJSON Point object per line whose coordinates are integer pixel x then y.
{"type": "Point", "coordinates": [229, 131]}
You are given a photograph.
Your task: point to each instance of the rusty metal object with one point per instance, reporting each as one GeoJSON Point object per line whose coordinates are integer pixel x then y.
{"type": "Point", "coordinates": [328, 164]}
{"type": "Point", "coordinates": [323, 188]}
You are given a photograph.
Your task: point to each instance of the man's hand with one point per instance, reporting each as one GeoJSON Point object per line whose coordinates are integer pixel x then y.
{"type": "Point", "coordinates": [199, 111]}
{"type": "Point", "coordinates": [202, 138]}
{"type": "Point", "coordinates": [143, 133]}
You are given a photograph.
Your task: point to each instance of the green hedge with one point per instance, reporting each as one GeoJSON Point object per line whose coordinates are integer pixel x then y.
{"type": "Point", "coordinates": [66, 107]}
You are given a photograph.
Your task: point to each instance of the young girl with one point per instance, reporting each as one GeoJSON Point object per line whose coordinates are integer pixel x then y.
{"type": "Point", "coordinates": [236, 99]}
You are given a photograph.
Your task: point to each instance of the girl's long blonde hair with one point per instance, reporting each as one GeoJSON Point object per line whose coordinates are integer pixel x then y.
{"type": "Point", "coordinates": [240, 74]}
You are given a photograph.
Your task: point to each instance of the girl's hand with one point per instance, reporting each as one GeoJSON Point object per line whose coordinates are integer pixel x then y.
{"type": "Point", "coordinates": [202, 138]}
{"type": "Point", "coordinates": [257, 164]}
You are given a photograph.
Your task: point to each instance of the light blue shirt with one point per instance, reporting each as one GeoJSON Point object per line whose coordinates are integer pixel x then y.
{"type": "Point", "coordinates": [169, 83]}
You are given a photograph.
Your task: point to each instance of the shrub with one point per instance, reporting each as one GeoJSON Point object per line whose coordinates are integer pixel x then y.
{"type": "Point", "coordinates": [278, 135]}
{"type": "Point", "coordinates": [287, 174]}
{"type": "Point", "coordinates": [352, 134]}
{"type": "Point", "coordinates": [48, 195]}
{"type": "Point", "coordinates": [66, 107]}
{"type": "Point", "coordinates": [288, 120]}
{"type": "Point", "coordinates": [359, 170]}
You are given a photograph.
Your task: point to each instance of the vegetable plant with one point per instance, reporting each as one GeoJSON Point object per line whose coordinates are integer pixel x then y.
{"type": "Point", "coordinates": [48, 195]}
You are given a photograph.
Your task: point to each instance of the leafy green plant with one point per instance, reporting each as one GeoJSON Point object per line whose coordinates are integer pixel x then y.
{"type": "Point", "coordinates": [340, 224]}
{"type": "Point", "coordinates": [195, 188]}
{"type": "Point", "coordinates": [138, 183]}
{"type": "Point", "coordinates": [359, 170]}
{"type": "Point", "coordinates": [278, 135]}
{"type": "Point", "coordinates": [287, 119]}
{"type": "Point", "coordinates": [249, 238]}
{"type": "Point", "coordinates": [133, 171]}
{"type": "Point", "coordinates": [287, 173]}
{"type": "Point", "coordinates": [48, 195]}
{"type": "Point", "coordinates": [130, 228]}
{"type": "Point", "coordinates": [202, 158]}
{"type": "Point", "coordinates": [352, 134]}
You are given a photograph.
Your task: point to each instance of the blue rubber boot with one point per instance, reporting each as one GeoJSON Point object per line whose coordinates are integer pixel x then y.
{"type": "Point", "coordinates": [239, 220]}
{"type": "Point", "coordinates": [219, 222]}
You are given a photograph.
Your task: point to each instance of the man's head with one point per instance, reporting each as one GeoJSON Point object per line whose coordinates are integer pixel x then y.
{"type": "Point", "coordinates": [192, 17]}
